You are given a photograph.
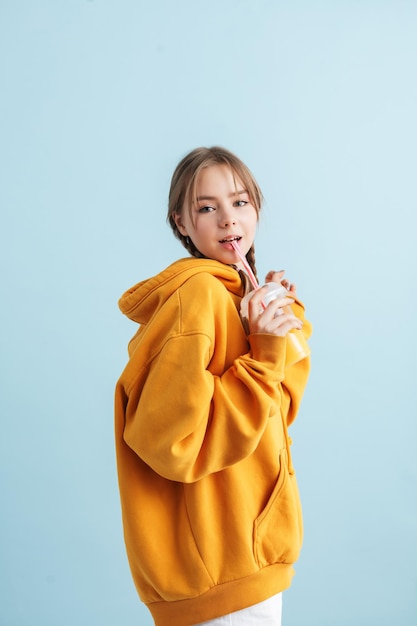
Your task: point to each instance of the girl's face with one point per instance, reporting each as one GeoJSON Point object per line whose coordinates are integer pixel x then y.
{"type": "Point", "coordinates": [223, 212]}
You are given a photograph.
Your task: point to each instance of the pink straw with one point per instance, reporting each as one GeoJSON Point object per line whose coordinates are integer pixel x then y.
{"type": "Point", "coordinates": [244, 260]}
{"type": "Point", "coordinates": [248, 268]}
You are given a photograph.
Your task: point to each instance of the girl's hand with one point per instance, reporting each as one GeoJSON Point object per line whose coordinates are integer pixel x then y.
{"type": "Point", "coordinates": [273, 319]}
{"type": "Point", "coordinates": [278, 277]}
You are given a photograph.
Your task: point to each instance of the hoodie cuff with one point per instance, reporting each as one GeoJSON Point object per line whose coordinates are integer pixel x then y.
{"type": "Point", "coordinates": [269, 350]}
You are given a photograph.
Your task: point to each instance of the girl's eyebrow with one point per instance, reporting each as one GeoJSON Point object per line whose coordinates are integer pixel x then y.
{"type": "Point", "coordinates": [239, 192]}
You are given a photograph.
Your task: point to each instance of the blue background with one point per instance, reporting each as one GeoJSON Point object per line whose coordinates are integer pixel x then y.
{"type": "Point", "coordinates": [99, 101]}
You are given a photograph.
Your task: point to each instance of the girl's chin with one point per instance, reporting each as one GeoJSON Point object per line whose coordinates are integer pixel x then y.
{"type": "Point", "coordinates": [227, 258]}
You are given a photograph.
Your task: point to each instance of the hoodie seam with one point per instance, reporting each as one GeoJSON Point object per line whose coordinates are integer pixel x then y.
{"type": "Point", "coordinates": [145, 366]}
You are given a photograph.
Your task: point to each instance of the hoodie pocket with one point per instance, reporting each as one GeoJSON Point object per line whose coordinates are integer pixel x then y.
{"type": "Point", "coordinates": [278, 530]}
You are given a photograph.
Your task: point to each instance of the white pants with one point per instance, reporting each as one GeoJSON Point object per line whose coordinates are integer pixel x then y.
{"type": "Point", "coordinates": [267, 613]}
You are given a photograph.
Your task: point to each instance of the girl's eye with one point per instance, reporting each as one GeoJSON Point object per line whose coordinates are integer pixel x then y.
{"type": "Point", "coordinates": [241, 202]}
{"type": "Point", "coordinates": [205, 209]}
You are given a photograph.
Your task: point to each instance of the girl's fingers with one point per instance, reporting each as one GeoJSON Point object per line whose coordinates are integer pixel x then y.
{"type": "Point", "coordinates": [276, 305]}
{"type": "Point", "coordinates": [281, 324]}
{"type": "Point", "coordinates": [274, 276]}
{"type": "Point", "coordinates": [255, 305]}
{"type": "Point", "coordinates": [277, 318]}
{"type": "Point", "coordinates": [278, 277]}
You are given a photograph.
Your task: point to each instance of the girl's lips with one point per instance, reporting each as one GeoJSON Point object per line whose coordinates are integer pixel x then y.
{"type": "Point", "coordinates": [227, 245]}
{"type": "Point", "coordinates": [227, 241]}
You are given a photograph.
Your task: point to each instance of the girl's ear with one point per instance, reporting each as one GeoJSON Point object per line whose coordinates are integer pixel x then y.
{"type": "Point", "coordinates": [179, 224]}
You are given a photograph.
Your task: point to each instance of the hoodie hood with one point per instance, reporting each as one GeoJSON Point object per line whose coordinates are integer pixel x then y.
{"type": "Point", "coordinates": [140, 302]}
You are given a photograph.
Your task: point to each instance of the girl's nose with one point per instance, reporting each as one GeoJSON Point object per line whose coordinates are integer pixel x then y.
{"type": "Point", "coordinates": [227, 220]}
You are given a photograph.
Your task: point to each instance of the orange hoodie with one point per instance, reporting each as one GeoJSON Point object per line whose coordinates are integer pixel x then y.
{"type": "Point", "coordinates": [210, 506]}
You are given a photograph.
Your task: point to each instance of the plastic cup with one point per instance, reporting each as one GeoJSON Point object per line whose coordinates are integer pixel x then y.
{"type": "Point", "coordinates": [297, 347]}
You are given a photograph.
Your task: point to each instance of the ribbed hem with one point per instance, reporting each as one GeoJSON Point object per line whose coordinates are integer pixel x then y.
{"type": "Point", "coordinates": [224, 598]}
{"type": "Point", "coordinates": [269, 349]}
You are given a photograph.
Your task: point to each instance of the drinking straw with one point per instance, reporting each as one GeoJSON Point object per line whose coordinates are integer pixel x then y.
{"type": "Point", "coordinates": [247, 267]}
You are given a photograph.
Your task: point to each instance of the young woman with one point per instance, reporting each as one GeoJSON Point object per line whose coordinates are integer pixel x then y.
{"type": "Point", "coordinates": [210, 506]}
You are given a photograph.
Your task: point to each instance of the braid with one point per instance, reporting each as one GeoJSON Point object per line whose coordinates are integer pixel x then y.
{"type": "Point", "coordinates": [189, 246]}
{"type": "Point", "coordinates": [250, 256]}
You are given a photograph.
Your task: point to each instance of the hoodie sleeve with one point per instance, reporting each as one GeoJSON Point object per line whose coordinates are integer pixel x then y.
{"type": "Point", "coordinates": [184, 420]}
{"type": "Point", "coordinates": [188, 423]}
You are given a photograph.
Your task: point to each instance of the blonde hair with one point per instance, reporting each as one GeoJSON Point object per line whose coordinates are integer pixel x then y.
{"type": "Point", "coordinates": [183, 190]}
